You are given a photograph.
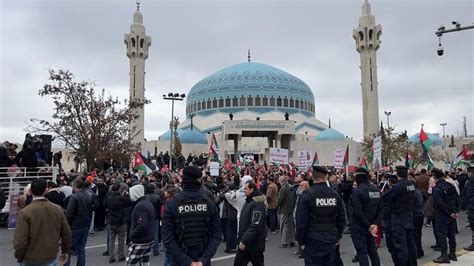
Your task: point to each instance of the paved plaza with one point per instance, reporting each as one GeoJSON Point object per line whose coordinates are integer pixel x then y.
{"type": "Point", "coordinates": [274, 255]}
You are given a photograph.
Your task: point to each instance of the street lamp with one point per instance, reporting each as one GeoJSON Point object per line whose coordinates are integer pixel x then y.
{"type": "Point", "coordinates": [443, 125]}
{"type": "Point", "coordinates": [172, 96]}
{"type": "Point", "coordinates": [388, 118]}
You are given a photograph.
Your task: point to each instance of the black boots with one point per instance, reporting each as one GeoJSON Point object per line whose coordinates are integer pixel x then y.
{"type": "Point", "coordinates": [452, 255]}
{"type": "Point", "coordinates": [470, 248]}
{"type": "Point", "coordinates": [444, 258]}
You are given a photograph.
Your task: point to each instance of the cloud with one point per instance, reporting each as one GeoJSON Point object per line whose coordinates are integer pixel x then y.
{"type": "Point", "coordinates": [192, 39]}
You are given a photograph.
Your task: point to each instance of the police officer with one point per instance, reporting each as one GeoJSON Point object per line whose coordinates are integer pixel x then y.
{"type": "Point", "coordinates": [366, 204]}
{"type": "Point", "coordinates": [387, 215]}
{"type": "Point", "coordinates": [447, 204]}
{"type": "Point", "coordinates": [470, 203]}
{"type": "Point", "coordinates": [320, 220]}
{"type": "Point", "coordinates": [191, 225]}
{"type": "Point", "coordinates": [401, 204]}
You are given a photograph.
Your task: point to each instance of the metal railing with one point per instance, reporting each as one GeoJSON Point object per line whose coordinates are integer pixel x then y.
{"type": "Point", "coordinates": [15, 179]}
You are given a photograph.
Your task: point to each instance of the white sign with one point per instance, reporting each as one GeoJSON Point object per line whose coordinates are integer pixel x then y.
{"type": "Point", "coordinates": [377, 147]}
{"type": "Point", "coordinates": [278, 156]}
{"type": "Point", "coordinates": [248, 157]}
{"type": "Point", "coordinates": [214, 168]}
{"type": "Point", "coordinates": [304, 160]}
{"type": "Point", "coordinates": [338, 158]}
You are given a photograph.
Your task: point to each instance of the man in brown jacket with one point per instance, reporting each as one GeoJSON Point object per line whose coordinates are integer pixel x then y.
{"type": "Point", "coordinates": [272, 195]}
{"type": "Point", "coordinates": [39, 228]}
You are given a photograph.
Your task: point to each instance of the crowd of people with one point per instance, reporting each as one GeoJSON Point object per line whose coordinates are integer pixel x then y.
{"type": "Point", "coordinates": [189, 213]}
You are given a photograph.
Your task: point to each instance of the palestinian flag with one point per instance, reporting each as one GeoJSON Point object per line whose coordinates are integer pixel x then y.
{"type": "Point", "coordinates": [363, 164]}
{"type": "Point", "coordinates": [143, 165]}
{"type": "Point", "coordinates": [409, 160]}
{"type": "Point", "coordinates": [425, 141]}
{"type": "Point", "coordinates": [238, 166]}
{"type": "Point", "coordinates": [430, 162]}
{"type": "Point", "coordinates": [315, 159]}
{"type": "Point", "coordinates": [345, 162]}
{"type": "Point", "coordinates": [462, 157]}
{"type": "Point", "coordinates": [214, 150]}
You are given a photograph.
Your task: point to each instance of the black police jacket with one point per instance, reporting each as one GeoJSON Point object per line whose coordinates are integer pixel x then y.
{"type": "Point", "coordinates": [305, 218]}
{"type": "Point", "coordinates": [171, 229]}
{"type": "Point", "coordinates": [252, 228]}
{"type": "Point", "coordinates": [446, 199]}
{"type": "Point", "coordinates": [401, 203]}
{"type": "Point", "coordinates": [366, 206]}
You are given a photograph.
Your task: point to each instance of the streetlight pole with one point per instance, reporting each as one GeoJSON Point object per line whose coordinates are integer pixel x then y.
{"type": "Point", "coordinates": [442, 30]}
{"type": "Point", "coordinates": [388, 118]}
{"type": "Point", "coordinates": [443, 125]}
{"type": "Point", "coordinates": [172, 97]}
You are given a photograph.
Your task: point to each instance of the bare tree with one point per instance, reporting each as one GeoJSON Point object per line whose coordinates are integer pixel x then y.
{"type": "Point", "coordinates": [95, 125]}
{"type": "Point", "coordinates": [394, 146]}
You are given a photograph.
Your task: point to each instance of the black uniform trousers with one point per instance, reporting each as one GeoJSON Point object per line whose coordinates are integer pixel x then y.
{"type": "Point", "coordinates": [404, 244]}
{"type": "Point", "coordinates": [418, 226]}
{"type": "Point", "coordinates": [321, 255]}
{"type": "Point", "coordinates": [242, 258]}
{"type": "Point", "coordinates": [364, 244]}
{"type": "Point", "coordinates": [446, 228]}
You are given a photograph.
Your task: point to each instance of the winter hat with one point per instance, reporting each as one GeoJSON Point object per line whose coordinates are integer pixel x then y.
{"type": "Point", "coordinates": [137, 192]}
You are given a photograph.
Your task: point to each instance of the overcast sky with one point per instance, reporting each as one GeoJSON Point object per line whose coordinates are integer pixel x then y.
{"type": "Point", "coordinates": [192, 39]}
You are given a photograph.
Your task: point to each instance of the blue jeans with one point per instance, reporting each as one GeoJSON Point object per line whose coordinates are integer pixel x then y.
{"type": "Point", "coordinates": [49, 263]}
{"type": "Point", "coordinates": [156, 242]}
{"type": "Point", "coordinates": [79, 240]}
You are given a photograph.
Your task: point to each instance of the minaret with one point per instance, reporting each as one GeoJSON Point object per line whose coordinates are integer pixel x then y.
{"type": "Point", "coordinates": [367, 37]}
{"type": "Point", "coordinates": [137, 51]}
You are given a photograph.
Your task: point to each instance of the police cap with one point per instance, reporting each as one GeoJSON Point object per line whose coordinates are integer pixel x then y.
{"type": "Point", "coordinates": [320, 169]}
{"type": "Point", "coordinates": [361, 171]}
{"type": "Point", "coordinates": [438, 173]}
{"type": "Point", "coordinates": [402, 171]}
{"type": "Point", "coordinates": [192, 172]}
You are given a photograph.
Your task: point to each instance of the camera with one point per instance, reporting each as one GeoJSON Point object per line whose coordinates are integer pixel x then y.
{"type": "Point", "coordinates": [440, 50]}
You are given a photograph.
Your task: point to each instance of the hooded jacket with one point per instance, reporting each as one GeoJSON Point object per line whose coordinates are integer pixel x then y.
{"type": "Point", "coordinates": [252, 228]}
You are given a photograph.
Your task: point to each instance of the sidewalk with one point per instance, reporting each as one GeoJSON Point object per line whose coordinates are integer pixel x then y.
{"type": "Point", "coordinates": [465, 258]}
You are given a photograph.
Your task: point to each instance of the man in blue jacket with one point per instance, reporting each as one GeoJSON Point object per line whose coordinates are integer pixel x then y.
{"type": "Point", "coordinates": [191, 223]}
{"type": "Point", "coordinates": [141, 230]}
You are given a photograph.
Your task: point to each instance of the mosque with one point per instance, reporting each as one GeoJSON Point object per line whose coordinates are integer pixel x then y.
{"type": "Point", "coordinates": [251, 107]}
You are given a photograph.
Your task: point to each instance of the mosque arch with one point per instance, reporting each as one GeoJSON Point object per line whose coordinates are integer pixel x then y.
{"type": "Point", "coordinates": [227, 102]}
{"type": "Point", "coordinates": [265, 100]}
{"type": "Point", "coordinates": [285, 102]}
{"type": "Point", "coordinates": [272, 101]}
{"type": "Point", "coordinates": [214, 103]}
{"type": "Point", "coordinates": [279, 102]}
{"type": "Point", "coordinates": [235, 101]}
{"type": "Point", "coordinates": [221, 102]}
{"type": "Point", "coordinates": [258, 101]}
{"type": "Point", "coordinates": [249, 101]}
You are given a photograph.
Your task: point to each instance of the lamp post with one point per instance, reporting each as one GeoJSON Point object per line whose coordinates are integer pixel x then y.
{"type": "Point", "coordinates": [172, 96]}
{"type": "Point", "coordinates": [442, 30]}
{"type": "Point", "coordinates": [443, 125]}
{"type": "Point", "coordinates": [388, 118]}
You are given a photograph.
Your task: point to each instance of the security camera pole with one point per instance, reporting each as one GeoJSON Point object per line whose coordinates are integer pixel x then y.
{"type": "Point", "coordinates": [442, 30]}
{"type": "Point", "coordinates": [172, 97]}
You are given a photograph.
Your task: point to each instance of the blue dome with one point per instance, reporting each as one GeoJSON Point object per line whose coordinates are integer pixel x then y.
{"type": "Point", "coordinates": [330, 134]}
{"type": "Point", "coordinates": [250, 85]}
{"type": "Point", "coordinates": [435, 139]}
{"type": "Point", "coordinates": [188, 136]}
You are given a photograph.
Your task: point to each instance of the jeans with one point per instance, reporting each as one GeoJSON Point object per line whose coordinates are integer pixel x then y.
{"type": "Point", "coordinates": [272, 216]}
{"type": "Point", "coordinates": [156, 242]}
{"type": "Point", "coordinates": [114, 231]}
{"type": "Point", "coordinates": [79, 240]}
{"type": "Point", "coordinates": [49, 263]}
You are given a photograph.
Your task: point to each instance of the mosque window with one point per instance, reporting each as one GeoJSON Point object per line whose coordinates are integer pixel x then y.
{"type": "Point", "coordinates": [250, 101]}
{"type": "Point", "coordinates": [203, 105]}
{"type": "Point", "coordinates": [195, 106]}
{"type": "Point", "coordinates": [208, 104]}
{"type": "Point", "coordinates": [142, 41]}
{"type": "Point", "coordinates": [285, 102]}
{"type": "Point", "coordinates": [279, 102]}
{"type": "Point", "coordinates": [133, 42]}
{"type": "Point", "coordinates": [242, 101]}
{"type": "Point", "coordinates": [221, 102]}
{"type": "Point", "coordinates": [292, 103]}
{"type": "Point", "coordinates": [265, 100]}
{"type": "Point", "coordinates": [371, 33]}
{"type": "Point", "coordinates": [235, 101]}
{"type": "Point", "coordinates": [361, 36]}
{"type": "Point", "coordinates": [272, 101]}
{"type": "Point", "coordinates": [199, 106]}
{"type": "Point", "coordinates": [214, 103]}
{"type": "Point", "coordinates": [297, 103]}
{"type": "Point", "coordinates": [258, 101]}
{"type": "Point", "coordinates": [227, 102]}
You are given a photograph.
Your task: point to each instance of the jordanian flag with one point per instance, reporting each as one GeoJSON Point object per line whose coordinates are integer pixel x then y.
{"type": "Point", "coordinates": [363, 164]}
{"type": "Point", "coordinates": [462, 157]}
{"type": "Point", "coordinates": [214, 150]}
{"type": "Point", "coordinates": [425, 141]}
{"type": "Point", "coordinates": [345, 162]}
{"type": "Point", "coordinates": [409, 160]}
{"type": "Point", "coordinates": [143, 165]}
{"type": "Point", "coordinates": [315, 159]}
